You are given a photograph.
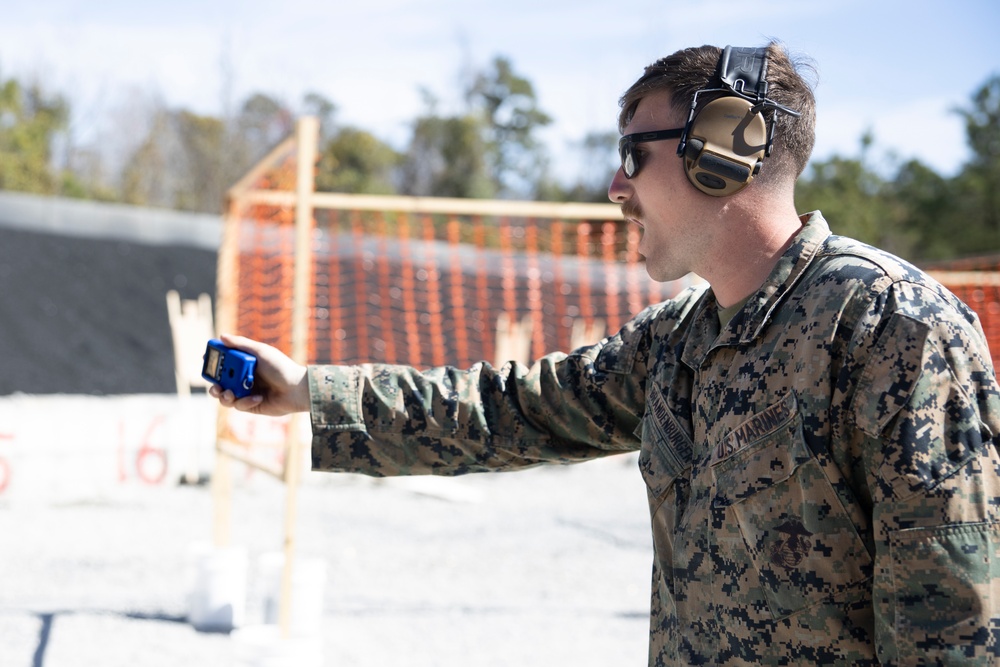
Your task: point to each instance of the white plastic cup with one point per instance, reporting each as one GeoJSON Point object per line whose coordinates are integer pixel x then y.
{"type": "Point", "coordinates": [308, 586]}
{"type": "Point", "coordinates": [218, 588]}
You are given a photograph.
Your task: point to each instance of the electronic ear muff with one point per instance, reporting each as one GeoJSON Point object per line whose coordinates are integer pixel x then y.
{"type": "Point", "coordinates": [725, 142]}
{"type": "Point", "coordinates": [725, 146]}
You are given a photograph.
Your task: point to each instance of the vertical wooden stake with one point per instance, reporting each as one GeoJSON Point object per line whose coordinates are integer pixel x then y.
{"type": "Point", "coordinates": [307, 138]}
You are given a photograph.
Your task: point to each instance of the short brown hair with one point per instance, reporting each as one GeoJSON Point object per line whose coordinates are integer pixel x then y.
{"type": "Point", "coordinates": [687, 71]}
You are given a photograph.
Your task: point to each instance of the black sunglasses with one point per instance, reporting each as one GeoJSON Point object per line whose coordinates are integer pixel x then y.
{"type": "Point", "coordinates": [627, 144]}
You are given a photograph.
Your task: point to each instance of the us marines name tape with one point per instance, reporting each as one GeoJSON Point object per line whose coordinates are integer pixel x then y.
{"type": "Point", "coordinates": [756, 427]}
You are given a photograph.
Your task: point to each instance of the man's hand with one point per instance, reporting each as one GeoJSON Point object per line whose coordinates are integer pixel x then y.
{"type": "Point", "coordinates": [280, 386]}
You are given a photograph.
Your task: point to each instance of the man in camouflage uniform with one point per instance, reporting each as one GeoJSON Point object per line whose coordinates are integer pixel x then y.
{"type": "Point", "coordinates": [815, 429]}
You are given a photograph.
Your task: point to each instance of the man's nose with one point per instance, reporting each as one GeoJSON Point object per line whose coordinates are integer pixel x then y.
{"type": "Point", "coordinates": [620, 188]}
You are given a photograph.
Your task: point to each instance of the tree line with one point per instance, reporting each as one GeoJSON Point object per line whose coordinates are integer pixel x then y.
{"type": "Point", "coordinates": [490, 148]}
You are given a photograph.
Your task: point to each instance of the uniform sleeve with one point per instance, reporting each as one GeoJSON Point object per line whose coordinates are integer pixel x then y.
{"type": "Point", "coordinates": [394, 420]}
{"type": "Point", "coordinates": [926, 409]}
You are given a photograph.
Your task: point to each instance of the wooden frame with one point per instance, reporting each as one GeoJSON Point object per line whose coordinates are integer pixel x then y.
{"type": "Point", "coordinates": [246, 192]}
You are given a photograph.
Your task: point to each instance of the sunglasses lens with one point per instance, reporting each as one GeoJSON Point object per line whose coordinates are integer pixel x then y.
{"type": "Point", "coordinates": [629, 165]}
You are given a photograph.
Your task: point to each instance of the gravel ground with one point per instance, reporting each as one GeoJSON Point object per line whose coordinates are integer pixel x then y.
{"type": "Point", "coordinates": [548, 566]}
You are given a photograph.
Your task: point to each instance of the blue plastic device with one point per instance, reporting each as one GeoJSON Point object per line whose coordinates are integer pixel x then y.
{"type": "Point", "coordinates": [231, 369]}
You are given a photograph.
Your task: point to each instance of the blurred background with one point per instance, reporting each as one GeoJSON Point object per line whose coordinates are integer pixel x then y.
{"type": "Point", "coordinates": [122, 125]}
{"type": "Point", "coordinates": [167, 104]}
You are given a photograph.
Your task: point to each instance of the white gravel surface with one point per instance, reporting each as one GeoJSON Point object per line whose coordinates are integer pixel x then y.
{"type": "Point", "coordinates": [549, 566]}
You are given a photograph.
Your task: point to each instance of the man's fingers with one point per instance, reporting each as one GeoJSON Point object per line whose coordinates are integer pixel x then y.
{"type": "Point", "coordinates": [250, 345]}
{"type": "Point", "coordinates": [249, 403]}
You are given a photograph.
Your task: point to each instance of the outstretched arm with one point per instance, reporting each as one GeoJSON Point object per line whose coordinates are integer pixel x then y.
{"type": "Point", "coordinates": [280, 385]}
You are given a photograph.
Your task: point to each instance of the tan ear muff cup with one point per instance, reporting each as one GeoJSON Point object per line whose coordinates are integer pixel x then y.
{"type": "Point", "coordinates": [725, 146]}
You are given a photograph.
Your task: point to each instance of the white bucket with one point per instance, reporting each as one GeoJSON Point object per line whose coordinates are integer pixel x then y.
{"type": "Point", "coordinates": [308, 586]}
{"type": "Point", "coordinates": [217, 587]}
{"type": "Point", "coordinates": [263, 646]}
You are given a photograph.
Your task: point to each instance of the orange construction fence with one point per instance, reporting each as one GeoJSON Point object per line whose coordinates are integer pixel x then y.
{"type": "Point", "coordinates": [423, 281]}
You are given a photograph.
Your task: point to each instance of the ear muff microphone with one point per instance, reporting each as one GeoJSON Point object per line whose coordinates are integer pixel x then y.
{"type": "Point", "coordinates": [725, 142]}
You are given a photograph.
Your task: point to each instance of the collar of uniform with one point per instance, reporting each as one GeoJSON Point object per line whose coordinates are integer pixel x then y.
{"type": "Point", "coordinates": [704, 331]}
{"type": "Point", "coordinates": [786, 273]}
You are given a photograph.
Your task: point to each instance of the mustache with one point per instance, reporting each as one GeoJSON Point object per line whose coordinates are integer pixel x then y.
{"type": "Point", "coordinates": [631, 209]}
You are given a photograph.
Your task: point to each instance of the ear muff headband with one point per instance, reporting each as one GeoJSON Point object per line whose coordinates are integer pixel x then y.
{"type": "Point", "coordinates": [725, 142]}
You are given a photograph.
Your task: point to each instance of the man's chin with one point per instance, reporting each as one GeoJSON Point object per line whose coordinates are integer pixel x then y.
{"type": "Point", "coordinates": [662, 274]}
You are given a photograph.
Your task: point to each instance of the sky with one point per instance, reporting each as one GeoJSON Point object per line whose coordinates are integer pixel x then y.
{"type": "Point", "coordinates": [896, 68]}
